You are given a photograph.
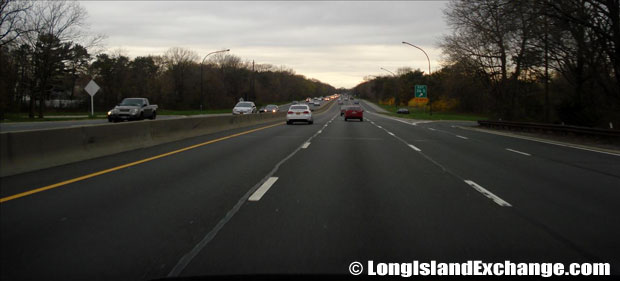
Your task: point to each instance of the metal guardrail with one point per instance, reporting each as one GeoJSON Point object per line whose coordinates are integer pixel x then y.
{"type": "Point", "coordinates": [551, 128]}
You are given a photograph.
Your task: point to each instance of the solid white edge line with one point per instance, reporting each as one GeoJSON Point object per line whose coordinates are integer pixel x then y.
{"type": "Point", "coordinates": [379, 127]}
{"type": "Point", "coordinates": [462, 137]}
{"type": "Point", "coordinates": [543, 141]}
{"type": "Point", "coordinates": [414, 147]}
{"type": "Point", "coordinates": [320, 131]}
{"type": "Point", "coordinates": [258, 194]}
{"type": "Point", "coordinates": [431, 129]}
{"type": "Point", "coordinates": [305, 145]}
{"type": "Point", "coordinates": [516, 151]}
{"type": "Point", "coordinates": [488, 194]}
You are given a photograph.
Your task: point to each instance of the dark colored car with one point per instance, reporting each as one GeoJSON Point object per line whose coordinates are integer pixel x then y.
{"type": "Point", "coordinates": [133, 109]}
{"type": "Point", "coordinates": [270, 108]}
{"type": "Point", "coordinates": [354, 112]}
{"type": "Point", "coordinates": [402, 111]}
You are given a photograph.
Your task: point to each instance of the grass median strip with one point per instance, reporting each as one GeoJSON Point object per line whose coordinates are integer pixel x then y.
{"type": "Point", "coordinates": [48, 187]}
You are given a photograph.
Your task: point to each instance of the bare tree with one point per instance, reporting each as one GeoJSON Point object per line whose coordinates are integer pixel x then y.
{"type": "Point", "coordinates": [51, 24]}
{"type": "Point", "coordinates": [13, 20]}
{"type": "Point", "coordinates": [179, 62]}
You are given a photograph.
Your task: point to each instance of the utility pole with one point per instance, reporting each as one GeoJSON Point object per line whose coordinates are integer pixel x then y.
{"type": "Point", "coordinates": [253, 95]}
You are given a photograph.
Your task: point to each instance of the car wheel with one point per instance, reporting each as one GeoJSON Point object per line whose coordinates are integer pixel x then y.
{"type": "Point", "coordinates": [361, 119]}
{"type": "Point", "coordinates": [154, 115]}
{"type": "Point", "coordinates": [345, 119]}
{"type": "Point", "coordinates": [310, 122]}
{"type": "Point", "coordinates": [110, 120]}
{"type": "Point", "coordinates": [288, 122]}
{"type": "Point", "coordinates": [141, 116]}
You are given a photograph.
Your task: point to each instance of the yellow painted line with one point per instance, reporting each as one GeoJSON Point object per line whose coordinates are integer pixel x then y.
{"type": "Point", "coordinates": [48, 187]}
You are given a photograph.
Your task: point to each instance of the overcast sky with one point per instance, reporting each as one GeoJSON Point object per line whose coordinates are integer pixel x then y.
{"type": "Point", "coordinates": [336, 42]}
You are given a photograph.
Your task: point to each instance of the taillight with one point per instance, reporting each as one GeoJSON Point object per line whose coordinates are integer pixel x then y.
{"type": "Point", "coordinates": [306, 112]}
{"type": "Point", "coordinates": [290, 112]}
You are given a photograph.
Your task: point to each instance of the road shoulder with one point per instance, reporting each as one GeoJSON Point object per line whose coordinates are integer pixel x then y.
{"type": "Point", "coordinates": [579, 143]}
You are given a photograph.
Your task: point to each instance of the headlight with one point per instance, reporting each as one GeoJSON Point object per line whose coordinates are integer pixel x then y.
{"type": "Point", "coordinates": [134, 111]}
{"type": "Point", "coordinates": [110, 112]}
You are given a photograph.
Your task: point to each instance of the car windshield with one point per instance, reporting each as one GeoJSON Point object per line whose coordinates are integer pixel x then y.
{"type": "Point", "coordinates": [271, 107]}
{"type": "Point", "coordinates": [131, 102]}
{"type": "Point", "coordinates": [244, 104]}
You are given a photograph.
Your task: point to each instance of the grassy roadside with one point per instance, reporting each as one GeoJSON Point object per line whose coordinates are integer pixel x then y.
{"type": "Point", "coordinates": [55, 116]}
{"type": "Point", "coordinates": [72, 116]}
{"type": "Point", "coordinates": [420, 114]}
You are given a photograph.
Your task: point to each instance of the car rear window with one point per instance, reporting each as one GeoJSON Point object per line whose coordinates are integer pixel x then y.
{"type": "Point", "coordinates": [244, 104]}
{"type": "Point", "coordinates": [356, 108]}
{"type": "Point", "coordinates": [299, 107]}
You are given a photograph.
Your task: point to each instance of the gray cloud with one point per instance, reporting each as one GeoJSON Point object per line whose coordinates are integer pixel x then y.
{"type": "Point", "coordinates": [304, 36]}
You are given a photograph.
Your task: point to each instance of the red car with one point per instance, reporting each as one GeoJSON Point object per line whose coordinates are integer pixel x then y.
{"type": "Point", "coordinates": [354, 112]}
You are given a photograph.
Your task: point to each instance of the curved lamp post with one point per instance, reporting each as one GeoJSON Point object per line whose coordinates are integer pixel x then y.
{"type": "Point", "coordinates": [429, 61]}
{"type": "Point", "coordinates": [429, 72]}
{"type": "Point", "coordinates": [393, 74]}
{"type": "Point", "coordinates": [201, 70]}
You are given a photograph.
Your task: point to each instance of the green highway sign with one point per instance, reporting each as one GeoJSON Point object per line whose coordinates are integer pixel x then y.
{"type": "Point", "coordinates": [420, 91]}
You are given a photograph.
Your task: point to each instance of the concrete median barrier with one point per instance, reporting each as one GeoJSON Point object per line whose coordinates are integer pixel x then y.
{"type": "Point", "coordinates": [33, 150]}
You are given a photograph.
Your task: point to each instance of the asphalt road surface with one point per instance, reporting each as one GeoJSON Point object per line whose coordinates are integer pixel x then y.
{"type": "Point", "coordinates": [382, 190]}
{"type": "Point", "coordinates": [29, 126]}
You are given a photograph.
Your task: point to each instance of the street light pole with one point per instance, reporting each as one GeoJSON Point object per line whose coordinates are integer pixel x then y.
{"type": "Point", "coordinates": [393, 74]}
{"type": "Point", "coordinates": [429, 61]}
{"type": "Point", "coordinates": [430, 106]}
{"type": "Point", "coordinates": [201, 71]}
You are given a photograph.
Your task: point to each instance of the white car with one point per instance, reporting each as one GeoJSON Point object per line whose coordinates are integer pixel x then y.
{"type": "Point", "coordinates": [299, 113]}
{"type": "Point", "coordinates": [244, 107]}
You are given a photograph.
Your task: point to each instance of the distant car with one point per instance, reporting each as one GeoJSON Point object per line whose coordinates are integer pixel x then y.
{"type": "Point", "coordinates": [354, 112]}
{"type": "Point", "coordinates": [402, 111]}
{"type": "Point", "coordinates": [261, 110]}
{"type": "Point", "coordinates": [299, 113]}
{"type": "Point", "coordinates": [295, 102]}
{"type": "Point", "coordinates": [244, 107]}
{"type": "Point", "coordinates": [316, 103]}
{"type": "Point", "coordinates": [271, 108]}
{"type": "Point", "coordinates": [356, 102]}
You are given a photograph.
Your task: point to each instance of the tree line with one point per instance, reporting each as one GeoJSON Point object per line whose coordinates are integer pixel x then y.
{"type": "Point", "coordinates": [531, 60]}
{"type": "Point", "coordinates": [46, 53]}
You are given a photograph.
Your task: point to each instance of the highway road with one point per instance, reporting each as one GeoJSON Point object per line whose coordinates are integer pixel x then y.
{"type": "Point", "coordinates": [29, 126]}
{"type": "Point", "coordinates": [311, 199]}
